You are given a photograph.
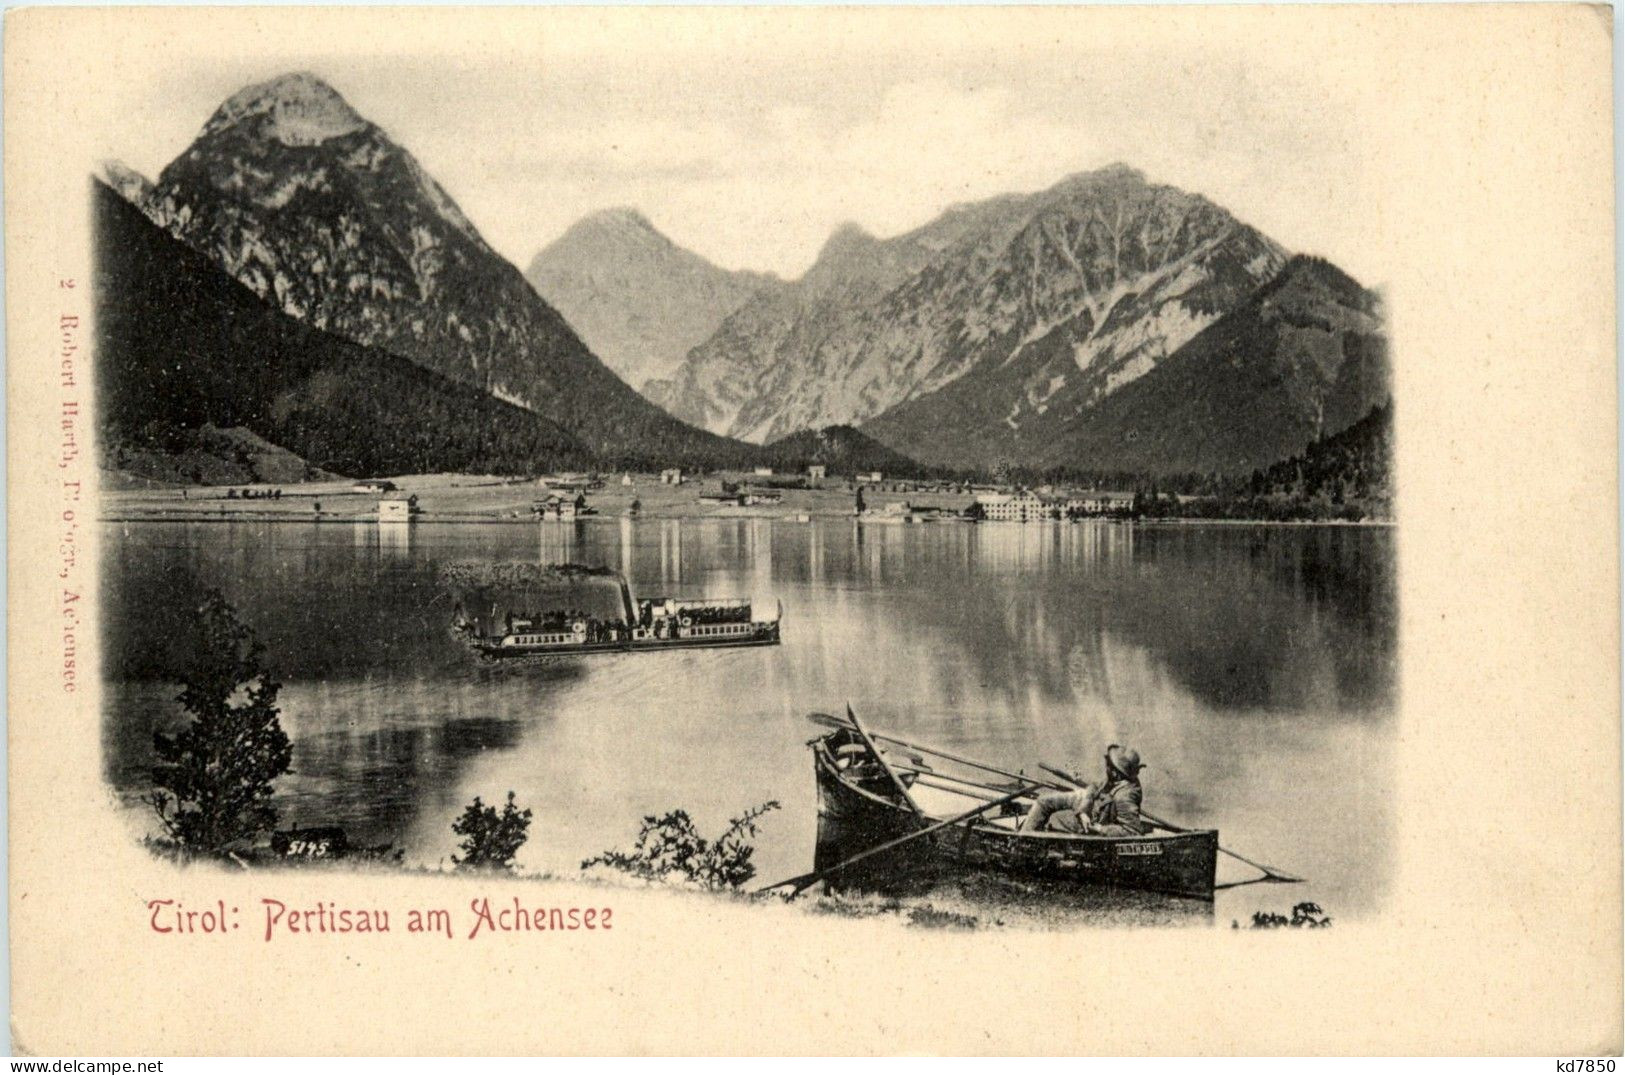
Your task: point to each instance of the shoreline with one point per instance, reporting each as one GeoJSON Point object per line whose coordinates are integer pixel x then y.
{"type": "Point", "coordinates": [494, 500]}
{"type": "Point", "coordinates": [367, 519]}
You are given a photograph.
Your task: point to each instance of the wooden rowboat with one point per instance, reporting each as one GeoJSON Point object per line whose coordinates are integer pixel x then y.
{"type": "Point", "coordinates": [860, 806]}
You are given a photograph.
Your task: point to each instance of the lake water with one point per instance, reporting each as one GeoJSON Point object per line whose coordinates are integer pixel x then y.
{"type": "Point", "coordinates": [1253, 667]}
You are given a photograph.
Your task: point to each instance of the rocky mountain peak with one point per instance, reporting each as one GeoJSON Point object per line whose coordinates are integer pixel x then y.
{"type": "Point", "coordinates": [319, 213]}
{"type": "Point", "coordinates": [295, 109]}
{"type": "Point", "coordinates": [622, 227]}
{"type": "Point", "coordinates": [846, 239]}
{"type": "Point", "coordinates": [620, 216]}
{"type": "Point", "coordinates": [1308, 269]}
{"type": "Point", "coordinates": [991, 320]}
{"type": "Point", "coordinates": [638, 299]}
{"type": "Point", "coordinates": [1115, 174]}
{"type": "Point", "coordinates": [131, 184]}
{"type": "Point", "coordinates": [1120, 172]}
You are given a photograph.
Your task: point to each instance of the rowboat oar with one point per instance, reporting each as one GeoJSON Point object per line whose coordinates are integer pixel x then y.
{"type": "Point", "coordinates": [807, 880]}
{"type": "Point", "coordinates": [1269, 873]}
{"type": "Point", "coordinates": [836, 722]}
{"type": "Point", "coordinates": [884, 764]}
{"type": "Point", "coordinates": [933, 778]}
{"type": "Point", "coordinates": [922, 769]}
{"type": "Point", "coordinates": [943, 785]}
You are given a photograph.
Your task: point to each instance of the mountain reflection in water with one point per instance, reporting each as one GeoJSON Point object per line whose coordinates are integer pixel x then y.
{"type": "Point", "coordinates": [1253, 667]}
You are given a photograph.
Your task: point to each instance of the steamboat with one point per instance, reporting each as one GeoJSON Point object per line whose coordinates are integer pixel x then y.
{"type": "Point", "coordinates": [523, 609]}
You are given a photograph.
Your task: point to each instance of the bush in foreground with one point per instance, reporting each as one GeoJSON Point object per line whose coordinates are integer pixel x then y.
{"type": "Point", "coordinates": [490, 838]}
{"type": "Point", "coordinates": [1304, 916]}
{"type": "Point", "coordinates": [671, 845]}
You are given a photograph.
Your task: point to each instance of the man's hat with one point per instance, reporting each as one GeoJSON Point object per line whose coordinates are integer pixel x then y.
{"type": "Point", "coordinates": [1125, 760]}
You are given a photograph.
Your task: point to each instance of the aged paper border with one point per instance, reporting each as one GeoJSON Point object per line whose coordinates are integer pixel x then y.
{"type": "Point", "coordinates": [1491, 136]}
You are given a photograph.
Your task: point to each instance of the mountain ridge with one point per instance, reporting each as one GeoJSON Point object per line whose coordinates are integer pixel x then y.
{"type": "Point", "coordinates": [637, 298]}
{"type": "Point", "coordinates": [1304, 358]}
{"type": "Point", "coordinates": [841, 449]}
{"type": "Point", "coordinates": [182, 346]}
{"type": "Point", "coordinates": [1107, 322]}
{"type": "Point", "coordinates": [317, 211]}
{"type": "Point", "coordinates": [1053, 299]}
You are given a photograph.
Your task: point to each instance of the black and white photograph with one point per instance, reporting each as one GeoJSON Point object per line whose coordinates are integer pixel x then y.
{"type": "Point", "coordinates": [1080, 495]}
{"type": "Point", "coordinates": [827, 471]}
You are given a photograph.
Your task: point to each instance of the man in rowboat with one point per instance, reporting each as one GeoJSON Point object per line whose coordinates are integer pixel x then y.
{"type": "Point", "coordinates": [1108, 809]}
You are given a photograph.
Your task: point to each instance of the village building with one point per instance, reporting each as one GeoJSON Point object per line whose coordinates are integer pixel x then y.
{"type": "Point", "coordinates": [763, 472]}
{"type": "Point", "coordinates": [565, 484]}
{"type": "Point", "coordinates": [1013, 508]}
{"type": "Point", "coordinates": [561, 507]}
{"type": "Point", "coordinates": [397, 509]}
{"type": "Point", "coordinates": [671, 476]}
{"type": "Point", "coordinates": [374, 485]}
{"type": "Point", "coordinates": [1100, 503]}
{"type": "Point", "coordinates": [874, 477]}
{"type": "Point", "coordinates": [816, 472]}
{"type": "Point", "coordinates": [742, 498]}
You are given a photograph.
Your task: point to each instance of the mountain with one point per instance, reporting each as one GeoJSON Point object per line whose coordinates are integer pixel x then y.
{"type": "Point", "coordinates": [1346, 475]}
{"type": "Point", "coordinates": [1353, 465]}
{"type": "Point", "coordinates": [964, 331]}
{"type": "Point", "coordinates": [639, 300]}
{"type": "Point", "coordinates": [202, 455]}
{"type": "Point", "coordinates": [739, 380]}
{"type": "Point", "coordinates": [842, 449]}
{"type": "Point", "coordinates": [131, 184]}
{"type": "Point", "coordinates": [183, 349]}
{"type": "Point", "coordinates": [317, 211]}
{"type": "Point", "coordinates": [1305, 357]}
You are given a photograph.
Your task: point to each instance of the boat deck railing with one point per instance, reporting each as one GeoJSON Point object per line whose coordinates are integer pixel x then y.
{"type": "Point", "coordinates": [699, 602]}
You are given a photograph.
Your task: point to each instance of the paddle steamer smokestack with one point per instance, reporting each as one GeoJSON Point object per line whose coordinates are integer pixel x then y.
{"type": "Point", "coordinates": [630, 601]}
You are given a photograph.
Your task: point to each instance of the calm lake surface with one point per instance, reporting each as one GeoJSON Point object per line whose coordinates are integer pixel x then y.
{"type": "Point", "coordinates": [1253, 668]}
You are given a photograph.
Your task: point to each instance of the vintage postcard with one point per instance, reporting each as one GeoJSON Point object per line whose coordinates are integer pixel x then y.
{"type": "Point", "coordinates": [826, 531]}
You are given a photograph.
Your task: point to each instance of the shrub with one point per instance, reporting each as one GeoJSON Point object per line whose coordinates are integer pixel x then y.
{"type": "Point", "coordinates": [1304, 916]}
{"type": "Point", "coordinates": [490, 839]}
{"type": "Point", "coordinates": [671, 845]}
{"type": "Point", "coordinates": [214, 778]}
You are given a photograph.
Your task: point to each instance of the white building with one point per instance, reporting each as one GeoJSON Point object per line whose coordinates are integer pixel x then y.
{"type": "Point", "coordinates": [1017, 508]}
{"type": "Point", "coordinates": [1098, 503]}
{"type": "Point", "coordinates": [397, 509]}
{"type": "Point", "coordinates": [671, 476]}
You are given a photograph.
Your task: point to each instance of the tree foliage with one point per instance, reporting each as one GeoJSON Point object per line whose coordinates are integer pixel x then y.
{"type": "Point", "coordinates": [214, 779]}
{"type": "Point", "coordinates": [1344, 476]}
{"type": "Point", "coordinates": [491, 838]}
{"type": "Point", "coordinates": [670, 844]}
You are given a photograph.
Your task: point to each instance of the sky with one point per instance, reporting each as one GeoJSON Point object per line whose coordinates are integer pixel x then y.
{"type": "Point", "coordinates": [750, 145]}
